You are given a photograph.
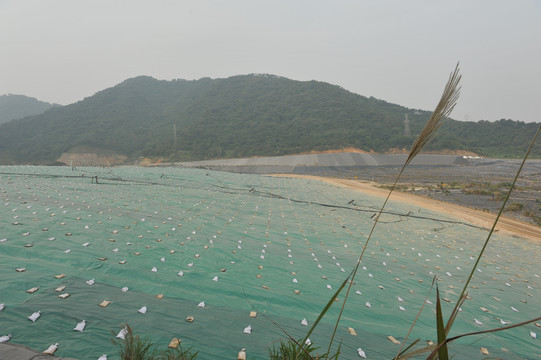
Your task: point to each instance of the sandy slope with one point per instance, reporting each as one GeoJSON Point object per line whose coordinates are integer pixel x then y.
{"type": "Point", "coordinates": [476, 217]}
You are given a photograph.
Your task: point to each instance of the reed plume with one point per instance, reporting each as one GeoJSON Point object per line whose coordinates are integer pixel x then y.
{"type": "Point", "coordinates": [444, 108]}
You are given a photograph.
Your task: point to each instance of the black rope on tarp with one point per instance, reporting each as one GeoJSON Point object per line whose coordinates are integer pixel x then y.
{"type": "Point", "coordinates": [223, 188]}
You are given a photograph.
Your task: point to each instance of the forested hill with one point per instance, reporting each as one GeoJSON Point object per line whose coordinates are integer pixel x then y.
{"type": "Point", "coordinates": [19, 106]}
{"type": "Point", "coordinates": [248, 115]}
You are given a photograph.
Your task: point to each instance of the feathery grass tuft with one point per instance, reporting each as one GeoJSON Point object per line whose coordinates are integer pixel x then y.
{"type": "Point", "coordinates": [178, 354]}
{"type": "Point", "coordinates": [133, 347]}
{"type": "Point", "coordinates": [444, 108]}
{"type": "Point", "coordinates": [291, 350]}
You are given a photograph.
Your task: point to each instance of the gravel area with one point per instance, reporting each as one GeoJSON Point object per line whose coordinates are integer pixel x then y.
{"type": "Point", "coordinates": [482, 184]}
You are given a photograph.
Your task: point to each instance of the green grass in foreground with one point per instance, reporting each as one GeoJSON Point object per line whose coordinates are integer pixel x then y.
{"type": "Point", "coordinates": [133, 347]}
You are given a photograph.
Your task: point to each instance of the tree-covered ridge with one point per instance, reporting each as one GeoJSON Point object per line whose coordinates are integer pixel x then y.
{"type": "Point", "coordinates": [248, 115]}
{"type": "Point", "coordinates": [19, 106]}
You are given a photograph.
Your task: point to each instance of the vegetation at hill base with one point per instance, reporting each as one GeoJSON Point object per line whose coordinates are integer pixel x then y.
{"type": "Point", "coordinates": [239, 116]}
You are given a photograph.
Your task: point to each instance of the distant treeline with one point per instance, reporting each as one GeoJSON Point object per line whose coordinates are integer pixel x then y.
{"type": "Point", "coordinates": [249, 115]}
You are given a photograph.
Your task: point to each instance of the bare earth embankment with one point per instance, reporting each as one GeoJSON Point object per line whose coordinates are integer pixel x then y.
{"type": "Point", "coordinates": [476, 217]}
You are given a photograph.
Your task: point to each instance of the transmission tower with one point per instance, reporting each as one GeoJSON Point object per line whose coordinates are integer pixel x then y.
{"type": "Point", "coordinates": [407, 126]}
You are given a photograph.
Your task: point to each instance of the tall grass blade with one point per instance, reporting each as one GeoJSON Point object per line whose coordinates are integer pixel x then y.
{"type": "Point", "coordinates": [448, 340]}
{"type": "Point", "coordinates": [400, 352]}
{"type": "Point", "coordinates": [416, 353]}
{"type": "Point", "coordinates": [291, 344]}
{"type": "Point", "coordinates": [178, 354]}
{"type": "Point", "coordinates": [500, 212]}
{"type": "Point", "coordinates": [452, 318]}
{"type": "Point", "coordinates": [454, 313]}
{"type": "Point", "coordinates": [324, 311]}
{"type": "Point", "coordinates": [442, 349]}
{"type": "Point", "coordinates": [443, 109]}
{"type": "Point", "coordinates": [403, 354]}
{"type": "Point", "coordinates": [289, 350]}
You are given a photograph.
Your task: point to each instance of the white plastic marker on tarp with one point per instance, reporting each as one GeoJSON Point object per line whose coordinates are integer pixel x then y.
{"type": "Point", "coordinates": [5, 338]}
{"type": "Point", "coordinates": [51, 349]}
{"type": "Point", "coordinates": [34, 316]}
{"type": "Point", "coordinates": [122, 333]}
{"type": "Point", "coordinates": [80, 326]}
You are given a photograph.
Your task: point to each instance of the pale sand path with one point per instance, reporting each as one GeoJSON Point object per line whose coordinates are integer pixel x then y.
{"type": "Point", "coordinates": [476, 217]}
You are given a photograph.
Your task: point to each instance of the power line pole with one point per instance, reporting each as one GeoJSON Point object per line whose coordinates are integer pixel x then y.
{"type": "Point", "coordinates": [175, 135]}
{"type": "Point", "coordinates": [407, 126]}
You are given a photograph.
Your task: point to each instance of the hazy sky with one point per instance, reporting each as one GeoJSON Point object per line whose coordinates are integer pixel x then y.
{"type": "Point", "coordinates": [395, 50]}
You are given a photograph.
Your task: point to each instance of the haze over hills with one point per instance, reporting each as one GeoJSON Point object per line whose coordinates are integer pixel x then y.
{"type": "Point", "coordinates": [246, 115]}
{"type": "Point", "coordinates": [19, 106]}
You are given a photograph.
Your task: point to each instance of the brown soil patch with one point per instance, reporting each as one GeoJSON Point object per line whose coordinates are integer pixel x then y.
{"type": "Point", "coordinates": [397, 151]}
{"type": "Point", "coordinates": [475, 217]}
{"type": "Point", "coordinates": [91, 159]}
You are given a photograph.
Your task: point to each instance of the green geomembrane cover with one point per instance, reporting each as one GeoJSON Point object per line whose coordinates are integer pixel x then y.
{"type": "Point", "coordinates": [244, 243]}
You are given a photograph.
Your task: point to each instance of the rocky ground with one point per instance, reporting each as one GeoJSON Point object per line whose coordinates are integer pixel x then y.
{"type": "Point", "coordinates": [483, 184]}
